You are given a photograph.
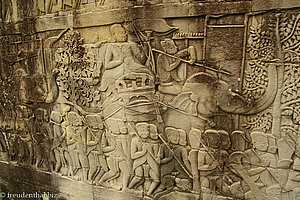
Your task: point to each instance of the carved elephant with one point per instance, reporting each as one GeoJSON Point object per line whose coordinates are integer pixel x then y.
{"type": "Point", "coordinates": [202, 97]}
{"type": "Point", "coordinates": [36, 87]}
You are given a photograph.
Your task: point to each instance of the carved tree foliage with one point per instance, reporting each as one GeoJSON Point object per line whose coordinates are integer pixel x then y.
{"type": "Point", "coordinates": [7, 96]}
{"type": "Point", "coordinates": [78, 70]}
{"type": "Point", "coordinates": [256, 79]}
{"type": "Point", "coordinates": [261, 47]}
{"type": "Point", "coordinates": [282, 32]}
{"type": "Point", "coordinates": [290, 99]}
{"type": "Point", "coordinates": [261, 43]}
{"type": "Point", "coordinates": [260, 122]}
{"type": "Point", "coordinates": [289, 33]}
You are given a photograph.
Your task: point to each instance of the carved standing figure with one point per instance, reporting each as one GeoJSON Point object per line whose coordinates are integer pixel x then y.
{"type": "Point", "coordinates": [41, 138]}
{"type": "Point", "coordinates": [97, 161]}
{"type": "Point", "coordinates": [145, 157]}
{"type": "Point", "coordinates": [76, 141]}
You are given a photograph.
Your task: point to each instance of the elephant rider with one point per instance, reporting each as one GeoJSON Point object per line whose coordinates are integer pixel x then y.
{"type": "Point", "coordinates": [171, 72]}
{"type": "Point", "coordinates": [121, 57]}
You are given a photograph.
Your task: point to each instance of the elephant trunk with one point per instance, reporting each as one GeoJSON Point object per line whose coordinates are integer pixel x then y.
{"type": "Point", "coordinates": [235, 103]}
{"type": "Point", "coordinates": [52, 87]}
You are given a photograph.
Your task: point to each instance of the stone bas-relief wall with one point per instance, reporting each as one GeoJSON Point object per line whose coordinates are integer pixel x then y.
{"type": "Point", "coordinates": [155, 99]}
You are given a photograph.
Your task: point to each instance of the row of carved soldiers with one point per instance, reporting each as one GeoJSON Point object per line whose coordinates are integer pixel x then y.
{"type": "Point", "coordinates": [112, 151]}
{"type": "Point", "coordinates": [95, 150]}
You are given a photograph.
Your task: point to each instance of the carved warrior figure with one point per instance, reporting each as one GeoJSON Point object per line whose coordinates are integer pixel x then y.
{"type": "Point", "coordinates": [59, 144]}
{"type": "Point", "coordinates": [208, 159]}
{"type": "Point", "coordinates": [171, 71]}
{"type": "Point", "coordinates": [76, 141]}
{"type": "Point", "coordinates": [23, 128]}
{"type": "Point", "coordinates": [97, 160]}
{"type": "Point", "coordinates": [41, 138]}
{"type": "Point", "coordinates": [178, 139]}
{"type": "Point", "coordinates": [116, 147]}
{"type": "Point", "coordinates": [115, 156]}
{"type": "Point", "coordinates": [145, 155]}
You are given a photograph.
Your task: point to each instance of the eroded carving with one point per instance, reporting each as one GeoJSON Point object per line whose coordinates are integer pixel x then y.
{"type": "Point", "coordinates": [139, 111]}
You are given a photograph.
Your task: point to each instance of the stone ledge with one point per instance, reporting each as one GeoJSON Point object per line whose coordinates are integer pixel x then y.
{"type": "Point", "coordinates": [61, 20]}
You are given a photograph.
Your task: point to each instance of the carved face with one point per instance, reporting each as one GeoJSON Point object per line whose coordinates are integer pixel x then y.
{"type": "Point", "coordinates": [260, 141]}
{"type": "Point", "coordinates": [40, 114]}
{"type": "Point", "coordinates": [182, 137]}
{"type": "Point", "coordinates": [173, 135]}
{"type": "Point", "coordinates": [118, 33]}
{"type": "Point", "coordinates": [212, 139]}
{"type": "Point", "coordinates": [225, 140]}
{"type": "Point", "coordinates": [27, 112]}
{"type": "Point", "coordinates": [153, 131]}
{"type": "Point", "coordinates": [56, 117]}
{"type": "Point", "coordinates": [169, 46]}
{"type": "Point", "coordinates": [75, 119]}
{"type": "Point", "coordinates": [143, 130]}
{"type": "Point", "coordinates": [94, 121]}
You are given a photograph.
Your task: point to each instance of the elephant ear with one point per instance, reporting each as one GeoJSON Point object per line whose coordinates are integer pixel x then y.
{"type": "Point", "coordinates": [187, 102]}
{"type": "Point", "coordinates": [202, 77]}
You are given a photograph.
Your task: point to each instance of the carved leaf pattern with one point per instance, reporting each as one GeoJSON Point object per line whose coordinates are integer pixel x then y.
{"type": "Point", "coordinates": [7, 96]}
{"type": "Point", "coordinates": [260, 43]}
{"type": "Point", "coordinates": [291, 93]}
{"type": "Point", "coordinates": [256, 79]}
{"type": "Point", "coordinates": [77, 69]}
{"type": "Point", "coordinates": [260, 122]}
{"type": "Point", "coordinates": [289, 32]}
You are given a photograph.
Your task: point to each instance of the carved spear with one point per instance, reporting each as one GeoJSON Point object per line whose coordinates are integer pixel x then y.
{"type": "Point", "coordinates": [197, 64]}
{"type": "Point", "coordinates": [160, 121]}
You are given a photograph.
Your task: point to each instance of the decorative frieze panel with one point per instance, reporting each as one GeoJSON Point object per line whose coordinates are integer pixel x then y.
{"type": "Point", "coordinates": [157, 108]}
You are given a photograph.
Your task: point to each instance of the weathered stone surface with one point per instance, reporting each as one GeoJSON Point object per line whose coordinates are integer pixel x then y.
{"type": "Point", "coordinates": [150, 99]}
{"type": "Point", "coordinates": [259, 5]}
